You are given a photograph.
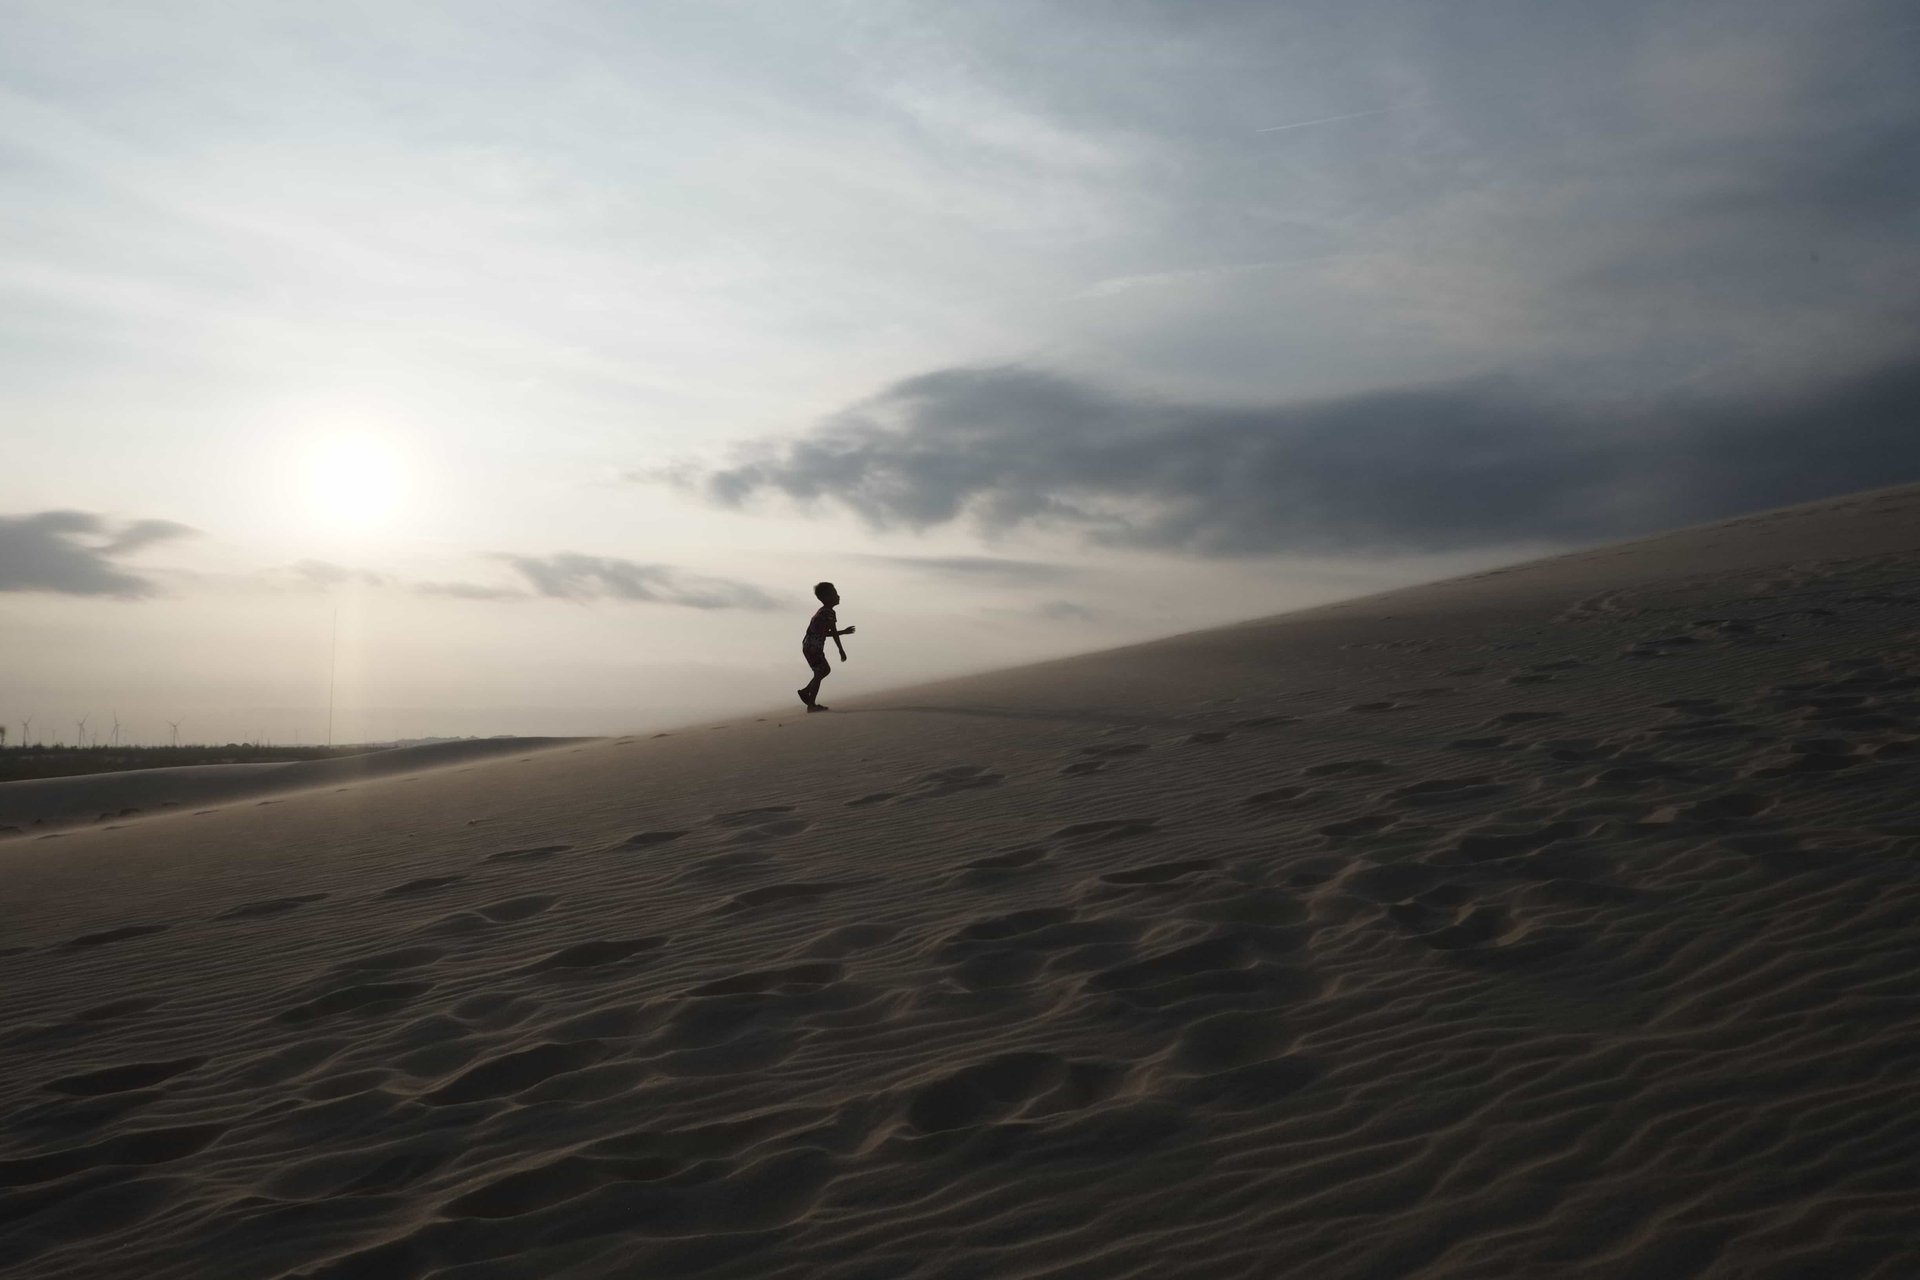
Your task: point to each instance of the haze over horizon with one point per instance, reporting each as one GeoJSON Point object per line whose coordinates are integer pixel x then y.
{"type": "Point", "coordinates": [556, 350]}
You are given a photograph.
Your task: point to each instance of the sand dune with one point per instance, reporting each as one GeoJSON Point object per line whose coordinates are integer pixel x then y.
{"type": "Point", "coordinates": [1559, 921]}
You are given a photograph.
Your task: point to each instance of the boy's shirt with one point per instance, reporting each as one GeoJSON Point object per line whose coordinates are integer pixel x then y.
{"type": "Point", "coordinates": [822, 625]}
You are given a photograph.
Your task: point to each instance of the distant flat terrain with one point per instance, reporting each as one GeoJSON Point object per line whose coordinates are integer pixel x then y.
{"type": "Point", "coordinates": [1563, 920]}
{"type": "Point", "coordinates": [32, 805]}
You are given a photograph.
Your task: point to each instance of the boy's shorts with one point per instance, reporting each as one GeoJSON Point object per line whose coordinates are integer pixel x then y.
{"type": "Point", "coordinates": [816, 656]}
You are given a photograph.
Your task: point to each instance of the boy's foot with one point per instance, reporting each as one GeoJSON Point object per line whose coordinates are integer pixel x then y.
{"type": "Point", "coordinates": [802, 693]}
{"type": "Point", "coordinates": [814, 706]}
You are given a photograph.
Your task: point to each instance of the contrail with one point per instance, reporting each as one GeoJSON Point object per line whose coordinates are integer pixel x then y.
{"type": "Point", "coordinates": [1301, 124]}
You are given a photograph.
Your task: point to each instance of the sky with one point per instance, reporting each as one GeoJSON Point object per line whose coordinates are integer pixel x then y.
{"type": "Point", "coordinates": [480, 367]}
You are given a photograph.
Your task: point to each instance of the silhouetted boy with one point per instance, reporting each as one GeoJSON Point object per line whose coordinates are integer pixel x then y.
{"type": "Point", "coordinates": [814, 645]}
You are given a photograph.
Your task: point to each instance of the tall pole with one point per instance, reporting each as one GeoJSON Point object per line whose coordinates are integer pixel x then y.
{"type": "Point", "coordinates": [333, 672]}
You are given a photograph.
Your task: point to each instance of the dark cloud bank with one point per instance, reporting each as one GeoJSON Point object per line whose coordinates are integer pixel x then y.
{"type": "Point", "coordinates": [73, 553]}
{"type": "Point", "coordinates": [1426, 469]}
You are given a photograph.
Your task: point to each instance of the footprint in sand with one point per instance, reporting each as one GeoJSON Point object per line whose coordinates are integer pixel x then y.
{"type": "Point", "coordinates": [111, 1157]}
{"type": "Point", "coordinates": [1001, 867]}
{"type": "Point", "coordinates": [1080, 768]}
{"type": "Point", "coordinates": [767, 822]}
{"type": "Point", "coordinates": [1388, 883]}
{"type": "Point", "coordinates": [1440, 791]}
{"type": "Point", "coordinates": [513, 1073]}
{"type": "Point", "coordinates": [597, 953]}
{"type": "Point", "coordinates": [515, 909]}
{"type": "Point", "coordinates": [1115, 750]}
{"type": "Point", "coordinates": [851, 938]}
{"type": "Point", "coordinates": [1694, 706]}
{"type": "Point", "coordinates": [1482, 935]}
{"type": "Point", "coordinates": [1160, 873]}
{"type": "Point", "coordinates": [875, 797]}
{"type": "Point", "coordinates": [270, 907]}
{"type": "Point", "coordinates": [1009, 861]}
{"type": "Point", "coordinates": [121, 934]}
{"type": "Point", "coordinates": [1729, 806]}
{"type": "Point", "coordinates": [952, 781]}
{"type": "Point", "coordinates": [1284, 798]}
{"type": "Point", "coordinates": [776, 895]}
{"type": "Point", "coordinates": [1227, 964]}
{"type": "Point", "coordinates": [1004, 952]}
{"type": "Point", "coordinates": [362, 998]}
{"type": "Point", "coordinates": [1494, 845]}
{"type": "Point", "coordinates": [123, 1078]}
{"type": "Point", "coordinates": [539, 853]}
{"type": "Point", "coordinates": [1640, 773]}
{"type": "Point", "coordinates": [794, 978]}
{"type": "Point", "coordinates": [1346, 768]}
{"type": "Point", "coordinates": [987, 1092]}
{"type": "Point", "coordinates": [425, 884]}
{"type": "Point", "coordinates": [1106, 829]}
{"type": "Point", "coordinates": [771, 830]}
{"type": "Point", "coordinates": [752, 817]}
{"type": "Point", "coordinates": [647, 839]}
{"type": "Point", "coordinates": [128, 1008]}
{"type": "Point", "coordinates": [1365, 825]}
{"type": "Point", "coordinates": [405, 958]}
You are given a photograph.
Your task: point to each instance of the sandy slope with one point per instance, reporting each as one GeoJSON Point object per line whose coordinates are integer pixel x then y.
{"type": "Point", "coordinates": [1562, 921]}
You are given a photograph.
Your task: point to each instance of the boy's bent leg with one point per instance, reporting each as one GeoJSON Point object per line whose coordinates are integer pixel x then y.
{"type": "Point", "coordinates": [818, 661]}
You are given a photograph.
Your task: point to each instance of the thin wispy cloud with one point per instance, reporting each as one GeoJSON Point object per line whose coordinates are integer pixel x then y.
{"type": "Point", "coordinates": [468, 591]}
{"type": "Point", "coordinates": [997, 570]}
{"type": "Point", "coordinates": [571, 576]}
{"type": "Point", "coordinates": [1308, 124]}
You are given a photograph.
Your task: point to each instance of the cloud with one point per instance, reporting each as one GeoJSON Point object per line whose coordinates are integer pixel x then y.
{"type": "Point", "coordinates": [565, 576]}
{"type": "Point", "coordinates": [52, 551]}
{"type": "Point", "coordinates": [324, 574]}
{"type": "Point", "coordinates": [467, 591]}
{"type": "Point", "coordinates": [1066, 611]}
{"type": "Point", "coordinates": [570, 576]}
{"type": "Point", "coordinates": [1445, 467]}
{"type": "Point", "coordinates": [994, 569]}
{"type": "Point", "coordinates": [142, 533]}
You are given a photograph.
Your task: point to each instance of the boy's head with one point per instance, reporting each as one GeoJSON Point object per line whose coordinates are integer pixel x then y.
{"type": "Point", "coordinates": [825, 594]}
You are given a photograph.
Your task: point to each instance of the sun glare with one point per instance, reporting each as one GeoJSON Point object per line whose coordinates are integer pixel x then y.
{"type": "Point", "coordinates": [355, 482]}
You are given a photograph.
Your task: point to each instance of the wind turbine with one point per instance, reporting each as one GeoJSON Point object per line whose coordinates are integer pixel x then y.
{"type": "Point", "coordinates": [175, 726]}
{"type": "Point", "coordinates": [26, 727]}
{"type": "Point", "coordinates": [116, 728]}
{"type": "Point", "coordinates": [80, 732]}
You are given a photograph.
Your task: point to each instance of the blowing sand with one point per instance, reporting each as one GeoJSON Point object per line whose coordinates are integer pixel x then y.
{"type": "Point", "coordinates": [1558, 921]}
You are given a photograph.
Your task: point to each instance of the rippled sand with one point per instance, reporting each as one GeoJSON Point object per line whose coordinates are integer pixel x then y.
{"type": "Point", "coordinates": [1558, 921]}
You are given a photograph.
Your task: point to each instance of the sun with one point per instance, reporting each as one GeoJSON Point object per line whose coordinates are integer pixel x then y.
{"type": "Point", "coordinates": [355, 483]}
